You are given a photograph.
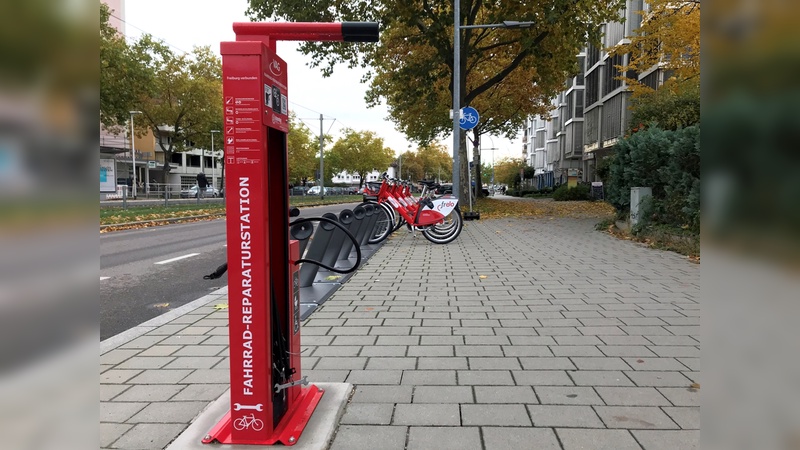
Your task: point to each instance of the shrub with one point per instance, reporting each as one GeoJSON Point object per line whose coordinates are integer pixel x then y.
{"type": "Point", "coordinates": [669, 163]}
{"type": "Point", "coordinates": [566, 193]}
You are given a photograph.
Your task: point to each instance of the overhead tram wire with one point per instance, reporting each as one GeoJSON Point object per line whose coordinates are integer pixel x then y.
{"type": "Point", "coordinates": [145, 32]}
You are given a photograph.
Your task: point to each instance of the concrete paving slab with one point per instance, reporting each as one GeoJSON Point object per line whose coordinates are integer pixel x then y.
{"type": "Point", "coordinates": [317, 435]}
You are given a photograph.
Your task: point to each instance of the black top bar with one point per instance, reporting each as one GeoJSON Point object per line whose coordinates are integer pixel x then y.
{"type": "Point", "coordinates": [360, 31]}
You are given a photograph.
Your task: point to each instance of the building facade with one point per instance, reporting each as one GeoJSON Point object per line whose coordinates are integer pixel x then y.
{"type": "Point", "coordinates": [591, 114]}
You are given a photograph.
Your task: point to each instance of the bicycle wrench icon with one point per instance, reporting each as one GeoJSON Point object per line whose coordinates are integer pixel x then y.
{"type": "Point", "coordinates": [238, 406]}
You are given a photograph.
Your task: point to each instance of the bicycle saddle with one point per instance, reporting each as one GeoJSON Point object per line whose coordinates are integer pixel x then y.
{"type": "Point", "coordinates": [429, 183]}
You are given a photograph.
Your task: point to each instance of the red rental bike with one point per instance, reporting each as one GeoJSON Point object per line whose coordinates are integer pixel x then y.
{"type": "Point", "coordinates": [437, 217]}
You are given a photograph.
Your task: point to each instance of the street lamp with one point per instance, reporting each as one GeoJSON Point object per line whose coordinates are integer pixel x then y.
{"type": "Point", "coordinates": [133, 151]}
{"type": "Point", "coordinates": [213, 161]}
{"type": "Point", "coordinates": [457, 81]}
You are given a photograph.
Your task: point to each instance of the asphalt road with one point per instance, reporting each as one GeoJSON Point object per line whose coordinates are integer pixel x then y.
{"type": "Point", "coordinates": [146, 272]}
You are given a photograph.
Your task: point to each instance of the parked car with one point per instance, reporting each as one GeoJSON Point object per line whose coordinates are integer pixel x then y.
{"type": "Point", "coordinates": [297, 190]}
{"type": "Point", "coordinates": [448, 189]}
{"type": "Point", "coordinates": [315, 190]}
{"type": "Point", "coordinates": [210, 192]}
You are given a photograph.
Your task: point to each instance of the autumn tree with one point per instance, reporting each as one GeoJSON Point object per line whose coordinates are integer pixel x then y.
{"type": "Point", "coordinates": [436, 161]}
{"type": "Point", "coordinates": [358, 152]}
{"type": "Point", "coordinates": [669, 37]}
{"type": "Point", "coordinates": [430, 161]}
{"type": "Point", "coordinates": [303, 151]}
{"type": "Point", "coordinates": [507, 170]}
{"type": "Point", "coordinates": [507, 74]}
{"type": "Point", "coordinates": [179, 95]}
{"type": "Point", "coordinates": [184, 100]}
{"type": "Point", "coordinates": [122, 78]}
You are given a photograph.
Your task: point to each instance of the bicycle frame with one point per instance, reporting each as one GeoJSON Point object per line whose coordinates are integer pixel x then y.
{"type": "Point", "coordinates": [421, 212]}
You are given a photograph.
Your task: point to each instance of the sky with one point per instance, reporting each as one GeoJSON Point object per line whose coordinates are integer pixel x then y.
{"type": "Point", "coordinates": [184, 24]}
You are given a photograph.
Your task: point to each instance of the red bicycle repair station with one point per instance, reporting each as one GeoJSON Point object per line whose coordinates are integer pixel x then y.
{"type": "Point", "coordinates": [269, 403]}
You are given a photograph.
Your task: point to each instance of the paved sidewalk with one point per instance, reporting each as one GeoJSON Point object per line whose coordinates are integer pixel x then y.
{"type": "Point", "coordinates": [523, 333]}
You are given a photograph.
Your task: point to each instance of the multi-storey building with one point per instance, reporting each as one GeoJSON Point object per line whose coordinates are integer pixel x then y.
{"type": "Point", "coordinates": [591, 114]}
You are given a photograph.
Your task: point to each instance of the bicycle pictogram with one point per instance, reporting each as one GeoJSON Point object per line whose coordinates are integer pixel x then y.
{"type": "Point", "coordinates": [468, 118]}
{"type": "Point", "coordinates": [246, 422]}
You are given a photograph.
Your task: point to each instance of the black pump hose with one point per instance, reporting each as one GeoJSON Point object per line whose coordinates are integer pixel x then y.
{"type": "Point", "coordinates": [346, 232]}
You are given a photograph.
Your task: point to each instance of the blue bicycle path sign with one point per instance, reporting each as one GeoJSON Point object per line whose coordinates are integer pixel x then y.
{"type": "Point", "coordinates": [469, 118]}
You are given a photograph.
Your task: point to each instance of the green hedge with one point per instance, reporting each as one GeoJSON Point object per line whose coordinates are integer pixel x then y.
{"type": "Point", "coordinates": [566, 193]}
{"type": "Point", "coordinates": [669, 163]}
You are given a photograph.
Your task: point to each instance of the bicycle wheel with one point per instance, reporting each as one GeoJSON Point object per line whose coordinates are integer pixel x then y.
{"type": "Point", "coordinates": [448, 226]}
{"type": "Point", "coordinates": [258, 424]}
{"type": "Point", "coordinates": [445, 232]}
{"type": "Point", "coordinates": [384, 224]}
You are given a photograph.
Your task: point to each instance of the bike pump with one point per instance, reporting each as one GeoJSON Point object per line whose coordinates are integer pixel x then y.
{"type": "Point", "coordinates": [270, 399]}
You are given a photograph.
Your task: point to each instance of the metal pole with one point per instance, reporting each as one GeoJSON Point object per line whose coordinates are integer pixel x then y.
{"type": "Point", "coordinates": [456, 96]}
{"type": "Point", "coordinates": [321, 166]}
{"type": "Point", "coordinates": [400, 168]}
{"type": "Point", "coordinates": [133, 155]}
{"type": "Point", "coordinates": [470, 189]}
{"type": "Point", "coordinates": [213, 161]}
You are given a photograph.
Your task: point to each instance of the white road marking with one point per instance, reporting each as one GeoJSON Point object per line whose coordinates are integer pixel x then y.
{"type": "Point", "coordinates": [104, 278]}
{"type": "Point", "coordinates": [167, 261]}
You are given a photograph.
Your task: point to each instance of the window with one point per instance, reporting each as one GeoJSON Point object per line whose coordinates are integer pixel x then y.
{"type": "Point", "coordinates": [192, 160]}
{"type": "Point", "coordinates": [611, 81]}
{"type": "Point", "coordinates": [592, 56]}
{"type": "Point", "coordinates": [177, 158]}
{"type": "Point", "coordinates": [593, 88]}
{"type": "Point", "coordinates": [581, 70]}
{"type": "Point", "coordinates": [570, 105]}
{"type": "Point", "coordinates": [578, 104]}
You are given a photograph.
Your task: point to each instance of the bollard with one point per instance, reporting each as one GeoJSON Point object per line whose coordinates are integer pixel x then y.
{"type": "Point", "coordinates": [316, 250]}
{"type": "Point", "coordinates": [358, 221]}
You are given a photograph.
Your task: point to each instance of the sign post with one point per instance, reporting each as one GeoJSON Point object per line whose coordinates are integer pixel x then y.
{"type": "Point", "coordinates": [270, 399]}
{"type": "Point", "coordinates": [469, 119]}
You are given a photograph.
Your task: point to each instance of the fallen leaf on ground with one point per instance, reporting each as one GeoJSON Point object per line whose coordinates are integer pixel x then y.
{"type": "Point", "coordinates": [221, 306]}
{"type": "Point", "coordinates": [482, 277]}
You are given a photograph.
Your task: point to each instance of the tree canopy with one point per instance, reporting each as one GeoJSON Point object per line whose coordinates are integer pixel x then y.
{"type": "Point", "coordinates": [431, 161]}
{"type": "Point", "coordinates": [303, 151]}
{"type": "Point", "coordinates": [670, 37]}
{"type": "Point", "coordinates": [506, 170]}
{"type": "Point", "coordinates": [507, 74]}
{"type": "Point", "coordinates": [179, 95]}
{"type": "Point", "coordinates": [358, 152]}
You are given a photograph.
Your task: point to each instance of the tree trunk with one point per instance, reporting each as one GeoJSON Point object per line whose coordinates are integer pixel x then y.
{"type": "Point", "coordinates": [463, 168]}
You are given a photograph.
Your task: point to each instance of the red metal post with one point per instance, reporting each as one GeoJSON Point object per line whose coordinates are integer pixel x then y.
{"type": "Point", "coordinates": [267, 406]}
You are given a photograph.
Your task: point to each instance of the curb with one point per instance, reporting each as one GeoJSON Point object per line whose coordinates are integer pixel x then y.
{"type": "Point", "coordinates": [170, 220]}
{"type": "Point", "coordinates": [132, 333]}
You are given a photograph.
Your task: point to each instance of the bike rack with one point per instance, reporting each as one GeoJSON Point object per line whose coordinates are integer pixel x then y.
{"type": "Point", "coordinates": [316, 250]}
{"type": "Point", "coordinates": [358, 219]}
{"type": "Point", "coordinates": [363, 235]}
{"type": "Point", "coordinates": [337, 241]}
